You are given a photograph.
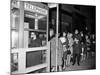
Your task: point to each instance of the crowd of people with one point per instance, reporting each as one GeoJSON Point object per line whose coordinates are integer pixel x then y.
{"type": "Point", "coordinates": [72, 48]}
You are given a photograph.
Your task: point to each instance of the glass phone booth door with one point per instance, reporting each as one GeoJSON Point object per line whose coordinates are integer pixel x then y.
{"type": "Point", "coordinates": [29, 40]}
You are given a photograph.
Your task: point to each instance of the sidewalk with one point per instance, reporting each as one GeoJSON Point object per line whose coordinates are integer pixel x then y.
{"type": "Point", "coordinates": [89, 63]}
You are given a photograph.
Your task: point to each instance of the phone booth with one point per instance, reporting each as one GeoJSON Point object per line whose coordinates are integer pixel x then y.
{"type": "Point", "coordinates": [30, 49]}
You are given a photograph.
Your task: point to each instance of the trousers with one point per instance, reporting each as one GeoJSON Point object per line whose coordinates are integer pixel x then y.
{"type": "Point", "coordinates": [76, 56]}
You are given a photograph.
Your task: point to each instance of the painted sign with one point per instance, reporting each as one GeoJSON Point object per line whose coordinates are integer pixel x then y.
{"type": "Point", "coordinates": [30, 7]}
{"type": "Point", "coordinates": [33, 8]}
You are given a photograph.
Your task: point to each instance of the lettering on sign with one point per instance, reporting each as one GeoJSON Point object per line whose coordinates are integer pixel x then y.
{"type": "Point", "coordinates": [33, 8]}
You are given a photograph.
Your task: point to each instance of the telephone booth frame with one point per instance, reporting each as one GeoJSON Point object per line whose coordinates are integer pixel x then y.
{"type": "Point", "coordinates": [24, 5]}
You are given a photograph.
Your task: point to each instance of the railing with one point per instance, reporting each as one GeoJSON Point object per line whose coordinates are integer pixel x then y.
{"type": "Point", "coordinates": [22, 59]}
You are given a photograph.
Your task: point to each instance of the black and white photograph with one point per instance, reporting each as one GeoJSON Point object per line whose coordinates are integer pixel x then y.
{"type": "Point", "coordinates": [51, 37]}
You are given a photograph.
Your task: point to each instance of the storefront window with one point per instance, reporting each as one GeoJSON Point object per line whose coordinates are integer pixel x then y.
{"type": "Point", "coordinates": [28, 34]}
{"type": "Point", "coordinates": [35, 35]}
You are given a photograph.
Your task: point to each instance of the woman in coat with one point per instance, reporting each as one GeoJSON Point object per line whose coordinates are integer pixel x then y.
{"type": "Point", "coordinates": [53, 52]}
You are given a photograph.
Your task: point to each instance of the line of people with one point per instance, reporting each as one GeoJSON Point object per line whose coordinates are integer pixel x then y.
{"type": "Point", "coordinates": [71, 48]}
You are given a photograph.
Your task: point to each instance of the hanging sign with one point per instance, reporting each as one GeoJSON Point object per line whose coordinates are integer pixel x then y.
{"type": "Point", "coordinates": [33, 8]}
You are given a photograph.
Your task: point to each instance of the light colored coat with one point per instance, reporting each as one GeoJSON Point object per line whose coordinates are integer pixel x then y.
{"type": "Point", "coordinates": [53, 52]}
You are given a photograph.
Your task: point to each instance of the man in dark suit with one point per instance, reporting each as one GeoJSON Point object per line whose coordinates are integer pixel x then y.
{"type": "Point", "coordinates": [76, 48]}
{"type": "Point", "coordinates": [76, 52]}
{"type": "Point", "coordinates": [35, 57]}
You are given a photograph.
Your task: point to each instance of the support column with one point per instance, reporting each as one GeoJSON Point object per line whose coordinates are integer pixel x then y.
{"type": "Point", "coordinates": [57, 23]}
{"type": "Point", "coordinates": [21, 25]}
{"type": "Point", "coordinates": [22, 53]}
{"type": "Point", "coordinates": [48, 44]}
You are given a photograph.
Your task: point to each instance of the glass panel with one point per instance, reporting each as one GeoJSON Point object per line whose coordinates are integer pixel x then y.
{"type": "Point", "coordinates": [42, 23]}
{"type": "Point", "coordinates": [30, 21]}
{"type": "Point", "coordinates": [35, 29]}
{"type": "Point", "coordinates": [14, 62]}
{"type": "Point", "coordinates": [14, 39]}
{"type": "Point", "coordinates": [33, 58]}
